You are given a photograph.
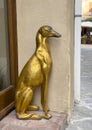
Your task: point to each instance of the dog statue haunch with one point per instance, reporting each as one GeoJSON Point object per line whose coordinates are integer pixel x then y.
{"type": "Point", "coordinates": [34, 74]}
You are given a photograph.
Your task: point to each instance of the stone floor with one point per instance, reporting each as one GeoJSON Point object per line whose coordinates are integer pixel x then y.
{"type": "Point", "coordinates": [82, 114]}
{"type": "Point", "coordinates": [57, 122]}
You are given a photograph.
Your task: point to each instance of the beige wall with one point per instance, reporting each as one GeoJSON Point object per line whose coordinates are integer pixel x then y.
{"type": "Point", "coordinates": [31, 14]}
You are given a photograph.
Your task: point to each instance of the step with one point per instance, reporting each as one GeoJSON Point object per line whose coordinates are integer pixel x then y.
{"type": "Point", "coordinates": [57, 122]}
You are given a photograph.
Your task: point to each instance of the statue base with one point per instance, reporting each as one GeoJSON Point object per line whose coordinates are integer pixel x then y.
{"type": "Point", "coordinates": [57, 122]}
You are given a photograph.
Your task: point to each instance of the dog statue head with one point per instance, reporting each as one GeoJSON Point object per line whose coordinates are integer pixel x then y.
{"type": "Point", "coordinates": [47, 31]}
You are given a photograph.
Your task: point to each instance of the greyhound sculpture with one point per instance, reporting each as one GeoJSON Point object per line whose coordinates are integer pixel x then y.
{"type": "Point", "coordinates": [35, 73]}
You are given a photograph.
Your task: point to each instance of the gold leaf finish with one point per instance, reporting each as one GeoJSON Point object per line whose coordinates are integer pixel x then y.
{"type": "Point", "coordinates": [34, 74]}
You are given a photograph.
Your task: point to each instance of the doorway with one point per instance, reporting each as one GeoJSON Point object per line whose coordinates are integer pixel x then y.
{"type": "Point", "coordinates": [83, 26]}
{"type": "Point", "coordinates": [8, 55]}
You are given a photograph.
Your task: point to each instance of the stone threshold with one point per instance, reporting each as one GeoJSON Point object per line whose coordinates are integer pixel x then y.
{"type": "Point", "coordinates": [57, 122]}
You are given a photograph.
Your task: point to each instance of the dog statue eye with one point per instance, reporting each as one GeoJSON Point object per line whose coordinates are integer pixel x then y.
{"type": "Point", "coordinates": [46, 29]}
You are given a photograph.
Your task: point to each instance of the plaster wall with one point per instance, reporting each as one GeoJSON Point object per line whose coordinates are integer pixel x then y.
{"type": "Point", "coordinates": [32, 14]}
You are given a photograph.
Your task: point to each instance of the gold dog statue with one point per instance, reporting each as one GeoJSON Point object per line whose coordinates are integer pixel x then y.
{"type": "Point", "coordinates": [35, 73]}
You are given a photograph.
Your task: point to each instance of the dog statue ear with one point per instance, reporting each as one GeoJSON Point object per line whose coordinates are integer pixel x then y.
{"type": "Point", "coordinates": [42, 31]}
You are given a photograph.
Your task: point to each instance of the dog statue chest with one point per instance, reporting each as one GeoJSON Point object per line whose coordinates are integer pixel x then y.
{"type": "Point", "coordinates": [44, 58]}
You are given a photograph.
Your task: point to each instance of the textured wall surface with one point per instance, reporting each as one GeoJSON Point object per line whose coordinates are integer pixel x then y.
{"type": "Point", "coordinates": [32, 14]}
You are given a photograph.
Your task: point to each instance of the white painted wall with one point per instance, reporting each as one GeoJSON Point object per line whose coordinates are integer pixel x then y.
{"type": "Point", "coordinates": [77, 50]}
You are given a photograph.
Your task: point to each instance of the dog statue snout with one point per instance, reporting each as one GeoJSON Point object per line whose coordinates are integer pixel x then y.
{"type": "Point", "coordinates": [56, 34]}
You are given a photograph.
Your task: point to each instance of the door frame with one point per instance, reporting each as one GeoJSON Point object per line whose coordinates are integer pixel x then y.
{"type": "Point", "coordinates": [7, 95]}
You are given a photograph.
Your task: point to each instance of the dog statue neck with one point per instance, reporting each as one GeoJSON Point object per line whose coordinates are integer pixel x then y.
{"type": "Point", "coordinates": [41, 42]}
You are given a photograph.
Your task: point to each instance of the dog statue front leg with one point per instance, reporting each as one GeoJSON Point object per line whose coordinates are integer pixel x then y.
{"type": "Point", "coordinates": [44, 89]}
